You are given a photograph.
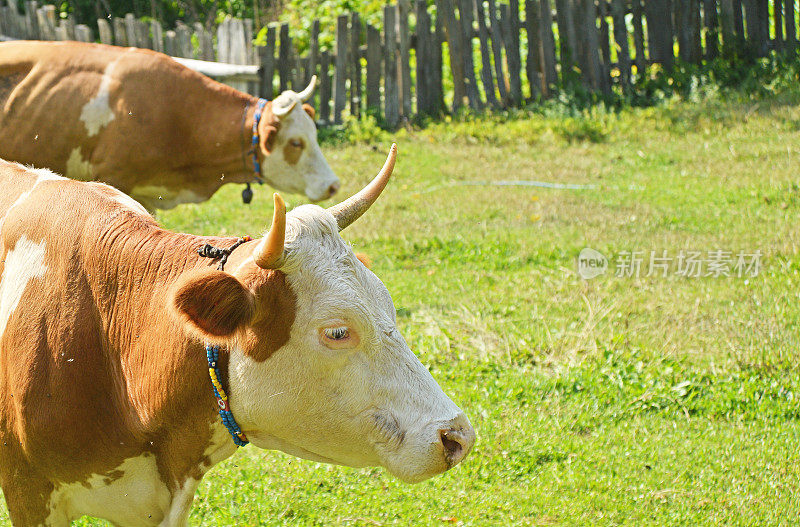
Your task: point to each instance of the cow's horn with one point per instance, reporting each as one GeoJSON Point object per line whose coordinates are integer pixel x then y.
{"type": "Point", "coordinates": [281, 111]}
{"type": "Point", "coordinates": [353, 207]}
{"type": "Point", "coordinates": [268, 253]}
{"type": "Point", "coordinates": [309, 91]}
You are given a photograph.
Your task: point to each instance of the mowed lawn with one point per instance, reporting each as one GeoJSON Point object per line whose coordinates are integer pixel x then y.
{"type": "Point", "coordinates": [660, 400]}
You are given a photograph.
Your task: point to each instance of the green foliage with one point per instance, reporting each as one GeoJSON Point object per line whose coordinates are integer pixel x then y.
{"type": "Point", "coordinates": [166, 11]}
{"type": "Point", "coordinates": [300, 14]}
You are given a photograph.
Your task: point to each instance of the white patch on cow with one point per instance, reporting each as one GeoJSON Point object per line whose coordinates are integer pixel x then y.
{"type": "Point", "coordinates": [181, 505]}
{"type": "Point", "coordinates": [97, 113]}
{"type": "Point", "coordinates": [42, 174]}
{"type": "Point", "coordinates": [77, 167]}
{"type": "Point", "coordinates": [129, 203]}
{"type": "Point", "coordinates": [311, 175]}
{"type": "Point", "coordinates": [219, 448]}
{"type": "Point", "coordinates": [373, 404]}
{"type": "Point", "coordinates": [158, 197]}
{"type": "Point", "coordinates": [23, 263]}
{"type": "Point", "coordinates": [123, 199]}
{"type": "Point", "coordinates": [131, 494]}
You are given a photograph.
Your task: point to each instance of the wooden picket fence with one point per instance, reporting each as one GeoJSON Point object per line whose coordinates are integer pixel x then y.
{"type": "Point", "coordinates": [433, 58]}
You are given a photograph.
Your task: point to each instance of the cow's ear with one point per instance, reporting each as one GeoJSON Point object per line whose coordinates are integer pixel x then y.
{"type": "Point", "coordinates": [310, 111]}
{"type": "Point", "coordinates": [212, 304]}
{"type": "Point", "coordinates": [268, 130]}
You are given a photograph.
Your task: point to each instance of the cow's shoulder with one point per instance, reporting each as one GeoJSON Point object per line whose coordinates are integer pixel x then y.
{"type": "Point", "coordinates": [105, 192]}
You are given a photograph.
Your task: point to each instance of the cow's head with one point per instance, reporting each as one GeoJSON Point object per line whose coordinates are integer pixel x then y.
{"type": "Point", "coordinates": [291, 159]}
{"type": "Point", "coordinates": [317, 366]}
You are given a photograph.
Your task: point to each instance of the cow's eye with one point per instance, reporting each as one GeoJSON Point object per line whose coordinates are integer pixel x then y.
{"type": "Point", "coordinates": [296, 143]}
{"type": "Point", "coordinates": [338, 333]}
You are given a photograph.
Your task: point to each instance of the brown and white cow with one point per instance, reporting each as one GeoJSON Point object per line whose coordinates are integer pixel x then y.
{"type": "Point", "coordinates": [106, 406]}
{"type": "Point", "coordinates": [152, 128]}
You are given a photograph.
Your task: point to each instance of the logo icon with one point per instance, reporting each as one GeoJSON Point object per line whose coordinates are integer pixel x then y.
{"type": "Point", "coordinates": [591, 263]}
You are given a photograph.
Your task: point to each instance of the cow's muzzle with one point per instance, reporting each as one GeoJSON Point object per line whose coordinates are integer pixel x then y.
{"type": "Point", "coordinates": [458, 438]}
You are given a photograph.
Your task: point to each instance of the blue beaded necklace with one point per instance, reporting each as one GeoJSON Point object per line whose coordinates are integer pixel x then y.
{"type": "Point", "coordinates": [212, 351]}
{"type": "Point", "coordinates": [254, 141]}
{"type": "Point", "coordinates": [247, 193]}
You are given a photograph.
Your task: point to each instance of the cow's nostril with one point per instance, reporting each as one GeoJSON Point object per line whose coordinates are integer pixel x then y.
{"type": "Point", "coordinates": [453, 441]}
{"type": "Point", "coordinates": [333, 189]}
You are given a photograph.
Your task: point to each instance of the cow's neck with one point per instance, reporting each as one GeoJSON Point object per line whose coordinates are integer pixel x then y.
{"type": "Point", "coordinates": [226, 130]}
{"type": "Point", "coordinates": [214, 152]}
{"type": "Point", "coordinates": [165, 371]}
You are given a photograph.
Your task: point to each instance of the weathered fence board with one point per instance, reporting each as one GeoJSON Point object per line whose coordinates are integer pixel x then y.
{"type": "Point", "coordinates": [659, 31]}
{"type": "Point", "coordinates": [391, 105]}
{"type": "Point", "coordinates": [637, 15]}
{"type": "Point", "coordinates": [711, 23]}
{"type": "Point", "coordinates": [548, 45]}
{"type": "Point", "coordinates": [404, 55]}
{"type": "Point", "coordinates": [355, 65]}
{"type": "Point", "coordinates": [267, 54]}
{"type": "Point", "coordinates": [465, 18]}
{"type": "Point", "coordinates": [374, 67]}
{"type": "Point", "coordinates": [621, 39]}
{"type": "Point", "coordinates": [791, 31]}
{"type": "Point", "coordinates": [313, 59]}
{"type": "Point", "coordinates": [340, 69]}
{"type": "Point", "coordinates": [497, 51]}
{"type": "Point", "coordinates": [325, 87]}
{"type": "Point", "coordinates": [423, 59]}
{"type": "Point", "coordinates": [486, 57]}
{"type": "Point", "coordinates": [513, 28]}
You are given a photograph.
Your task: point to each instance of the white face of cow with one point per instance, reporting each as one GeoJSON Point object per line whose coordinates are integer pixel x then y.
{"type": "Point", "coordinates": [294, 161]}
{"type": "Point", "coordinates": [343, 386]}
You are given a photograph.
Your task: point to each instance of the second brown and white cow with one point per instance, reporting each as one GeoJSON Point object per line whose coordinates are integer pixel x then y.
{"type": "Point", "coordinates": [106, 404]}
{"type": "Point", "coordinates": [149, 126]}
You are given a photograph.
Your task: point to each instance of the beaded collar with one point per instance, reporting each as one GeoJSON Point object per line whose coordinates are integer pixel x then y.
{"type": "Point", "coordinates": [247, 193]}
{"type": "Point", "coordinates": [212, 351]}
{"type": "Point", "coordinates": [254, 141]}
{"type": "Point", "coordinates": [212, 354]}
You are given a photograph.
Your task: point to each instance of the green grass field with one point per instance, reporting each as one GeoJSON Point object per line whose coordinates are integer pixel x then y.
{"type": "Point", "coordinates": [611, 401]}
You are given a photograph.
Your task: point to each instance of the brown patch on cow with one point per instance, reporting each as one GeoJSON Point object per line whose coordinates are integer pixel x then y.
{"type": "Point", "coordinates": [292, 152]}
{"type": "Point", "coordinates": [7, 85]}
{"type": "Point", "coordinates": [26, 495]}
{"type": "Point", "coordinates": [310, 111]}
{"type": "Point", "coordinates": [213, 303]}
{"type": "Point", "coordinates": [276, 306]}
{"type": "Point", "coordinates": [268, 129]}
{"type": "Point", "coordinates": [113, 476]}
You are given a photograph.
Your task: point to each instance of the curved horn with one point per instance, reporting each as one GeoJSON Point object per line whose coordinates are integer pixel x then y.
{"type": "Point", "coordinates": [283, 111]}
{"type": "Point", "coordinates": [268, 253]}
{"type": "Point", "coordinates": [353, 207]}
{"type": "Point", "coordinates": [309, 91]}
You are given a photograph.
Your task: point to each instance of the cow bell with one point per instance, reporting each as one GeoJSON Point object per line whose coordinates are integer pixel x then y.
{"type": "Point", "coordinates": [247, 195]}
